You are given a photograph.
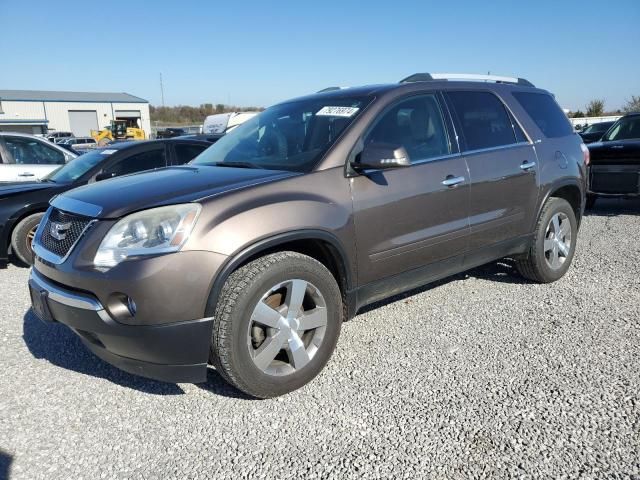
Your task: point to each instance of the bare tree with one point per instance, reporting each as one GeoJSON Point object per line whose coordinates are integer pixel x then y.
{"type": "Point", "coordinates": [595, 108]}
{"type": "Point", "coordinates": [632, 105]}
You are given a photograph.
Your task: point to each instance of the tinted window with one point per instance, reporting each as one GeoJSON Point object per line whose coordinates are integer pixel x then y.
{"type": "Point", "coordinates": [546, 113]}
{"type": "Point", "coordinates": [32, 152]}
{"type": "Point", "coordinates": [138, 163]}
{"type": "Point", "coordinates": [484, 120]}
{"type": "Point", "coordinates": [417, 125]}
{"type": "Point", "coordinates": [185, 152]}
{"type": "Point", "coordinates": [626, 128]}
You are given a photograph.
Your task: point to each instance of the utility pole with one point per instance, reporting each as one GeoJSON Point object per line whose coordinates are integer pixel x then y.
{"type": "Point", "coordinates": [161, 89]}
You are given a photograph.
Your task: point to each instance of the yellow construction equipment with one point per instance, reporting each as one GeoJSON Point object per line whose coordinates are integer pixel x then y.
{"type": "Point", "coordinates": [118, 130]}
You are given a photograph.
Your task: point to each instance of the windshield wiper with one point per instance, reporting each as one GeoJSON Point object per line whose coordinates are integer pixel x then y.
{"type": "Point", "coordinates": [236, 164]}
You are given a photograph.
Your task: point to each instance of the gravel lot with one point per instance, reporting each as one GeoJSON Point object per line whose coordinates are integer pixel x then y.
{"type": "Point", "coordinates": [480, 375]}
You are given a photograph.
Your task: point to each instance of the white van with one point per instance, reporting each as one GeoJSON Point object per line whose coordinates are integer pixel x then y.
{"type": "Point", "coordinates": [223, 122]}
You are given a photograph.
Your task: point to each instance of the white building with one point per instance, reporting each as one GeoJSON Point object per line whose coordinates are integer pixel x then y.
{"type": "Point", "coordinates": [35, 111]}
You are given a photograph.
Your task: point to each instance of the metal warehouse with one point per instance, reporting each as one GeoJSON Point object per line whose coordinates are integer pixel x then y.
{"type": "Point", "coordinates": [35, 111]}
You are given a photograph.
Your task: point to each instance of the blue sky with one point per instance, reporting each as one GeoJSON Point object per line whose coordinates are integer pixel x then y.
{"type": "Point", "coordinates": [261, 52]}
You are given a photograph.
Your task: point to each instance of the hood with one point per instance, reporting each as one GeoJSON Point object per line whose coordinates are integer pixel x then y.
{"type": "Point", "coordinates": [615, 152]}
{"type": "Point", "coordinates": [120, 196]}
{"type": "Point", "coordinates": [14, 188]}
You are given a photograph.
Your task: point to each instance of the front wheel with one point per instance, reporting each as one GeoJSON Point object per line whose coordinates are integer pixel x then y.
{"type": "Point", "coordinates": [276, 324]}
{"type": "Point", "coordinates": [553, 245]}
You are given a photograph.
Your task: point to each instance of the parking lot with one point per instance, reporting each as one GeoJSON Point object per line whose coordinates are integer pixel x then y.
{"type": "Point", "coordinates": [481, 374]}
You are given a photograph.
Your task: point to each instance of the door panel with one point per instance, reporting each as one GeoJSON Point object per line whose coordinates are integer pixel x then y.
{"type": "Point", "coordinates": [503, 168]}
{"type": "Point", "coordinates": [406, 218]}
{"type": "Point", "coordinates": [503, 194]}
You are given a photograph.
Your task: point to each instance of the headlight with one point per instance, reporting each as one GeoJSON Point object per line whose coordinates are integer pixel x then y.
{"type": "Point", "coordinates": [149, 232]}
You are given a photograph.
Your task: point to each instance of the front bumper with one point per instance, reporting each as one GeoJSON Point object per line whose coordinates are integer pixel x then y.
{"type": "Point", "coordinates": [173, 352]}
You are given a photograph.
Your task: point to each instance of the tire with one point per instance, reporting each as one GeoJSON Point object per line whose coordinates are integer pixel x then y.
{"type": "Point", "coordinates": [240, 345]}
{"type": "Point", "coordinates": [539, 264]}
{"type": "Point", "coordinates": [22, 235]}
{"type": "Point", "coordinates": [591, 201]}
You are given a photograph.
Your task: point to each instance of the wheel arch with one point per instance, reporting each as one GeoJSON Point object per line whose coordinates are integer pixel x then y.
{"type": "Point", "coordinates": [569, 191]}
{"type": "Point", "coordinates": [318, 244]}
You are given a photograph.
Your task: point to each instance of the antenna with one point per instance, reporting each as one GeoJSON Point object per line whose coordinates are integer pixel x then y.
{"type": "Point", "coordinates": [161, 89]}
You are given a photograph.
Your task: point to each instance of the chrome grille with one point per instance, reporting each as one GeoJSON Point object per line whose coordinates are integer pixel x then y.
{"type": "Point", "coordinates": [62, 230]}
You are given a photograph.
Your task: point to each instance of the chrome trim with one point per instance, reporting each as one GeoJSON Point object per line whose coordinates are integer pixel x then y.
{"type": "Point", "coordinates": [453, 181]}
{"type": "Point", "coordinates": [435, 159]}
{"type": "Point", "coordinates": [64, 296]}
{"type": "Point", "coordinates": [501, 147]}
{"type": "Point", "coordinates": [527, 165]}
{"type": "Point", "coordinates": [474, 76]}
{"type": "Point", "coordinates": [47, 255]}
{"type": "Point", "coordinates": [71, 205]}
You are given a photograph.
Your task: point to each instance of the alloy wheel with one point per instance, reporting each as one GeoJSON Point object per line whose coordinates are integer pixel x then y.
{"type": "Point", "coordinates": [287, 327]}
{"type": "Point", "coordinates": [557, 240]}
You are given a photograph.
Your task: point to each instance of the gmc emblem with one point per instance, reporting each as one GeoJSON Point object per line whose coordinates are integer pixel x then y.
{"type": "Point", "coordinates": [59, 230]}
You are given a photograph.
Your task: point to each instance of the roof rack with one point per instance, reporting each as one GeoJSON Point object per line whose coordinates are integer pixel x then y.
{"type": "Point", "coordinates": [427, 77]}
{"type": "Point", "coordinates": [330, 89]}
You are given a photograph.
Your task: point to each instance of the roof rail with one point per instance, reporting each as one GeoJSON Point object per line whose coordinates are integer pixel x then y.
{"type": "Point", "coordinates": [330, 89]}
{"type": "Point", "coordinates": [427, 77]}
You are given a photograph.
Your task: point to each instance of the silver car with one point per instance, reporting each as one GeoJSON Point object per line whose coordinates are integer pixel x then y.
{"type": "Point", "coordinates": [26, 157]}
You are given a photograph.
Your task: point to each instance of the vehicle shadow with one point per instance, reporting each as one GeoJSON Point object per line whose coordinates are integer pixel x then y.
{"type": "Point", "coordinates": [5, 464]}
{"type": "Point", "coordinates": [611, 207]}
{"type": "Point", "coordinates": [503, 271]}
{"type": "Point", "coordinates": [61, 347]}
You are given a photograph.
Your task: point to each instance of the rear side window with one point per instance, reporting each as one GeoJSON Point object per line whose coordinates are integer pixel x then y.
{"type": "Point", "coordinates": [484, 120]}
{"type": "Point", "coordinates": [546, 113]}
{"type": "Point", "coordinates": [138, 163]}
{"type": "Point", "coordinates": [186, 152]}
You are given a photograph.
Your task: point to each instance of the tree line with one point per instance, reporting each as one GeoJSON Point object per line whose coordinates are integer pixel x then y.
{"type": "Point", "coordinates": [188, 115]}
{"type": "Point", "coordinates": [596, 108]}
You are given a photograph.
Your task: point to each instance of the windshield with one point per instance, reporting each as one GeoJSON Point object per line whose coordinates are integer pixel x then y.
{"type": "Point", "coordinates": [291, 136]}
{"type": "Point", "coordinates": [77, 167]}
{"type": "Point", "coordinates": [626, 128]}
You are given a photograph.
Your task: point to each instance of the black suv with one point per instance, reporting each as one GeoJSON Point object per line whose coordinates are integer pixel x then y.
{"type": "Point", "coordinates": [252, 256]}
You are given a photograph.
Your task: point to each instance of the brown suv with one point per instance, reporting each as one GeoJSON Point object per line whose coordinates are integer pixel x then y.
{"type": "Point", "coordinates": [251, 257]}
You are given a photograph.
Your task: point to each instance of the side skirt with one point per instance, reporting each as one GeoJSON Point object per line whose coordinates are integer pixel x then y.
{"type": "Point", "coordinates": [417, 277]}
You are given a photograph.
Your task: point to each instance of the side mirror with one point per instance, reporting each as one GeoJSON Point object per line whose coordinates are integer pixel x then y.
{"type": "Point", "coordinates": [380, 156]}
{"type": "Point", "coordinates": [104, 176]}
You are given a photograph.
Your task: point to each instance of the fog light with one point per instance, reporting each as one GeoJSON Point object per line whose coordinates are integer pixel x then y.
{"type": "Point", "coordinates": [121, 306]}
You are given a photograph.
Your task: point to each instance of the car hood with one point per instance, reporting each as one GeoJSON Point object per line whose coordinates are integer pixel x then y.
{"type": "Point", "coordinates": [120, 196]}
{"type": "Point", "coordinates": [615, 152]}
{"type": "Point", "coordinates": [14, 188]}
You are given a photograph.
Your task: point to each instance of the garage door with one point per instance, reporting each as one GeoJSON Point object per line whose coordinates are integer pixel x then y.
{"type": "Point", "coordinates": [82, 122]}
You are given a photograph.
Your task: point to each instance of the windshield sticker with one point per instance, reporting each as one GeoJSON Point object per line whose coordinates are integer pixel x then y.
{"type": "Point", "coordinates": [337, 111]}
{"type": "Point", "coordinates": [108, 151]}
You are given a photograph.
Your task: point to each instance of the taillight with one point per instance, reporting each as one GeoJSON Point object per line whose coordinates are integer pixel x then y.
{"type": "Point", "coordinates": [585, 153]}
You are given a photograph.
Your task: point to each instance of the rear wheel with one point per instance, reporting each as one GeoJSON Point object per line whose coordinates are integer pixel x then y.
{"type": "Point", "coordinates": [22, 236]}
{"type": "Point", "coordinates": [276, 324]}
{"type": "Point", "coordinates": [553, 244]}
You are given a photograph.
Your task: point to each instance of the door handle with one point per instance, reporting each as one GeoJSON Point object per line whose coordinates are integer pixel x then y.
{"type": "Point", "coordinates": [527, 165]}
{"type": "Point", "coordinates": [26, 174]}
{"type": "Point", "coordinates": [452, 181]}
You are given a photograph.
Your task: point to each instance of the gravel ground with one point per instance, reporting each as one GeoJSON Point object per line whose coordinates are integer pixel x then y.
{"type": "Point", "coordinates": [480, 375]}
